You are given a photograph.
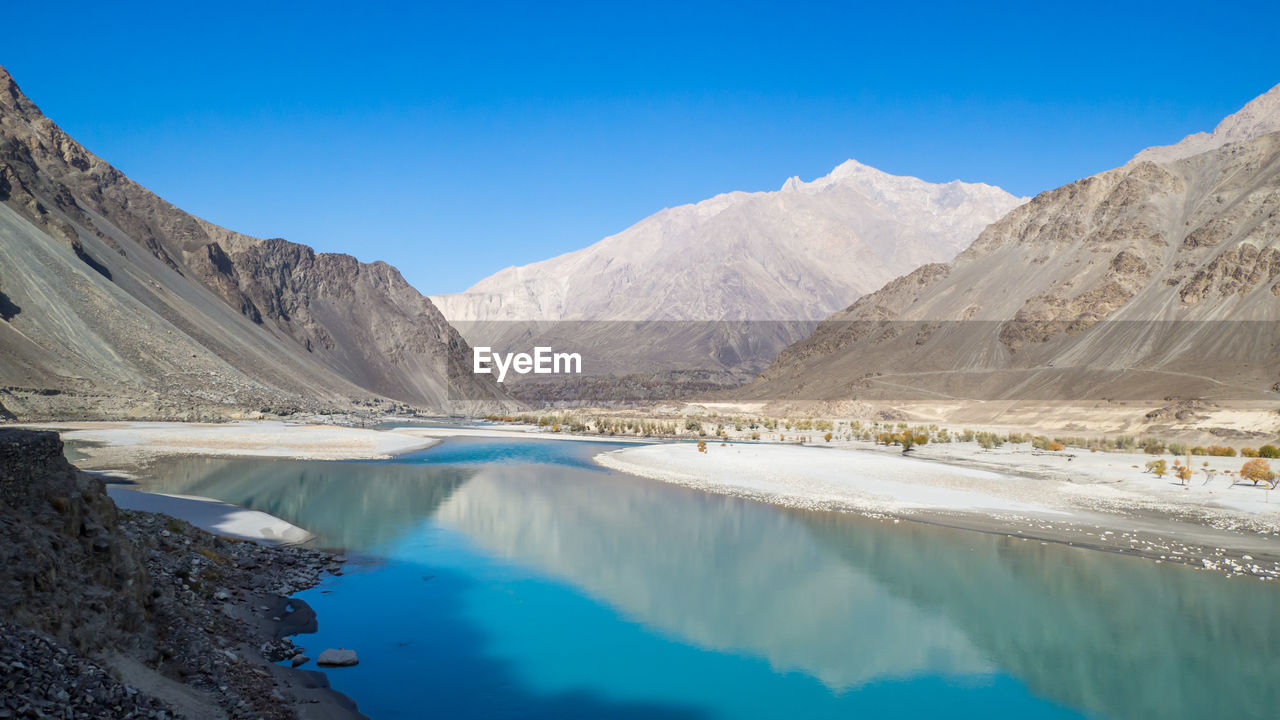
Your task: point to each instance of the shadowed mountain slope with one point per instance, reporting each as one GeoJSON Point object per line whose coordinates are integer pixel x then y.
{"type": "Point", "coordinates": [117, 303]}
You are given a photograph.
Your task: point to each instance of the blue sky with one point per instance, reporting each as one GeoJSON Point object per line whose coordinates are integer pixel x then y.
{"type": "Point", "coordinates": [453, 140]}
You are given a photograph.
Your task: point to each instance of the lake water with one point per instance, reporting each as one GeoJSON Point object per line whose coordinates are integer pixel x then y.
{"type": "Point", "coordinates": [497, 578]}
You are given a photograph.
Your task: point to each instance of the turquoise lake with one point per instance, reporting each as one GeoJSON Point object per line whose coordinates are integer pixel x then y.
{"type": "Point", "coordinates": [515, 578]}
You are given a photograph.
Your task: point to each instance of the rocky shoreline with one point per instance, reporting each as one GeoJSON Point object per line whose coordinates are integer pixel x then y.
{"type": "Point", "coordinates": [123, 614]}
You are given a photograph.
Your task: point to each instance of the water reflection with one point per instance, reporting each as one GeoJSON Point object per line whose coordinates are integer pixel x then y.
{"type": "Point", "coordinates": [716, 571]}
{"type": "Point", "coordinates": [853, 600]}
{"type": "Point", "coordinates": [355, 505]}
{"type": "Point", "coordinates": [859, 604]}
{"type": "Point", "coordinates": [1122, 636]}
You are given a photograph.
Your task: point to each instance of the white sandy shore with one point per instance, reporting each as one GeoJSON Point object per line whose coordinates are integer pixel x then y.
{"type": "Point", "coordinates": [823, 478]}
{"type": "Point", "coordinates": [1114, 480]}
{"type": "Point", "coordinates": [260, 439]}
{"type": "Point", "coordinates": [213, 516]}
{"type": "Point", "coordinates": [883, 482]}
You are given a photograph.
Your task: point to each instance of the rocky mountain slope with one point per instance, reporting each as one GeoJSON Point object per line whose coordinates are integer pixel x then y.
{"type": "Point", "coordinates": [722, 285]}
{"type": "Point", "coordinates": [1155, 281]}
{"type": "Point", "coordinates": [116, 303]}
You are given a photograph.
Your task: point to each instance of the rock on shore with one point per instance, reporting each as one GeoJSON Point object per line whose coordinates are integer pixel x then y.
{"type": "Point", "coordinates": [341, 657]}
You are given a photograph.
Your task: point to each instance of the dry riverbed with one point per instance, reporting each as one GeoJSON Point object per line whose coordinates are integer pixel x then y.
{"type": "Point", "coordinates": [1097, 500]}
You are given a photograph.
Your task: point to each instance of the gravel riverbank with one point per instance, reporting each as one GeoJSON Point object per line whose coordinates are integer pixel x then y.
{"type": "Point", "coordinates": [116, 613]}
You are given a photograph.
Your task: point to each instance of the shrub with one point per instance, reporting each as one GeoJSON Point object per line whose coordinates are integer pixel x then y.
{"type": "Point", "coordinates": [988, 440]}
{"type": "Point", "coordinates": [1269, 451]}
{"type": "Point", "coordinates": [827, 437]}
{"type": "Point", "coordinates": [1159, 467]}
{"type": "Point", "coordinates": [1198, 450]}
{"type": "Point", "coordinates": [702, 446]}
{"type": "Point", "coordinates": [1220, 451]}
{"type": "Point", "coordinates": [907, 440]}
{"type": "Point", "coordinates": [1256, 471]}
{"type": "Point", "coordinates": [1177, 448]}
{"type": "Point", "coordinates": [1055, 446]}
{"type": "Point", "coordinates": [1248, 452]}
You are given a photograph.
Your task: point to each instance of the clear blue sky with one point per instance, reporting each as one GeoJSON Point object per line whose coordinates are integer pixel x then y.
{"type": "Point", "coordinates": [455, 139]}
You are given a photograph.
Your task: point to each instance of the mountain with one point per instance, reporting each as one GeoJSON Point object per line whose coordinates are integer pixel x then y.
{"type": "Point", "coordinates": [793, 254]}
{"type": "Point", "coordinates": [1257, 118]}
{"type": "Point", "coordinates": [1158, 281]}
{"type": "Point", "coordinates": [116, 303]}
{"type": "Point", "coordinates": [720, 286]}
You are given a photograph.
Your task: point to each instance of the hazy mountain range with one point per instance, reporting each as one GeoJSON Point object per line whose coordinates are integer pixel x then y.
{"type": "Point", "coordinates": [798, 253]}
{"type": "Point", "coordinates": [114, 302]}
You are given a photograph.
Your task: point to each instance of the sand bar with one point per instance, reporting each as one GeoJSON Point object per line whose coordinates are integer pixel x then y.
{"type": "Point", "coordinates": [213, 516]}
{"type": "Point", "coordinates": [127, 442]}
{"type": "Point", "coordinates": [952, 479]}
{"type": "Point", "coordinates": [823, 478]}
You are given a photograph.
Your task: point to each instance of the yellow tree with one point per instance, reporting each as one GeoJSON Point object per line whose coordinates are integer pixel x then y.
{"type": "Point", "coordinates": [907, 440]}
{"type": "Point", "coordinates": [1256, 471]}
{"type": "Point", "coordinates": [1182, 472]}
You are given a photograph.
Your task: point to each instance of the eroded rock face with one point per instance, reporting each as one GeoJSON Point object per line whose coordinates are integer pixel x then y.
{"type": "Point", "coordinates": [64, 568]}
{"type": "Point", "coordinates": [1235, 271]}
{"type": "Point", "coordinates": [86, 588]}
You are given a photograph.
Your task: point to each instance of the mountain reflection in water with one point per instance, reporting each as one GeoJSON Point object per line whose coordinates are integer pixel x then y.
{"type": "Point", "coordinates": [852, 602]}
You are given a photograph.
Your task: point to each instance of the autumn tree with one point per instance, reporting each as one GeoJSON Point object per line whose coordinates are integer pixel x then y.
{"type": "Point", "coordinates": [1256, 471]}
{"type": "Point", "coordinates": [1159, 467]}
{"type": "Point", "coordinates": [1182, 472]}
{"type": "Point", "coordinates": [907, 440]}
